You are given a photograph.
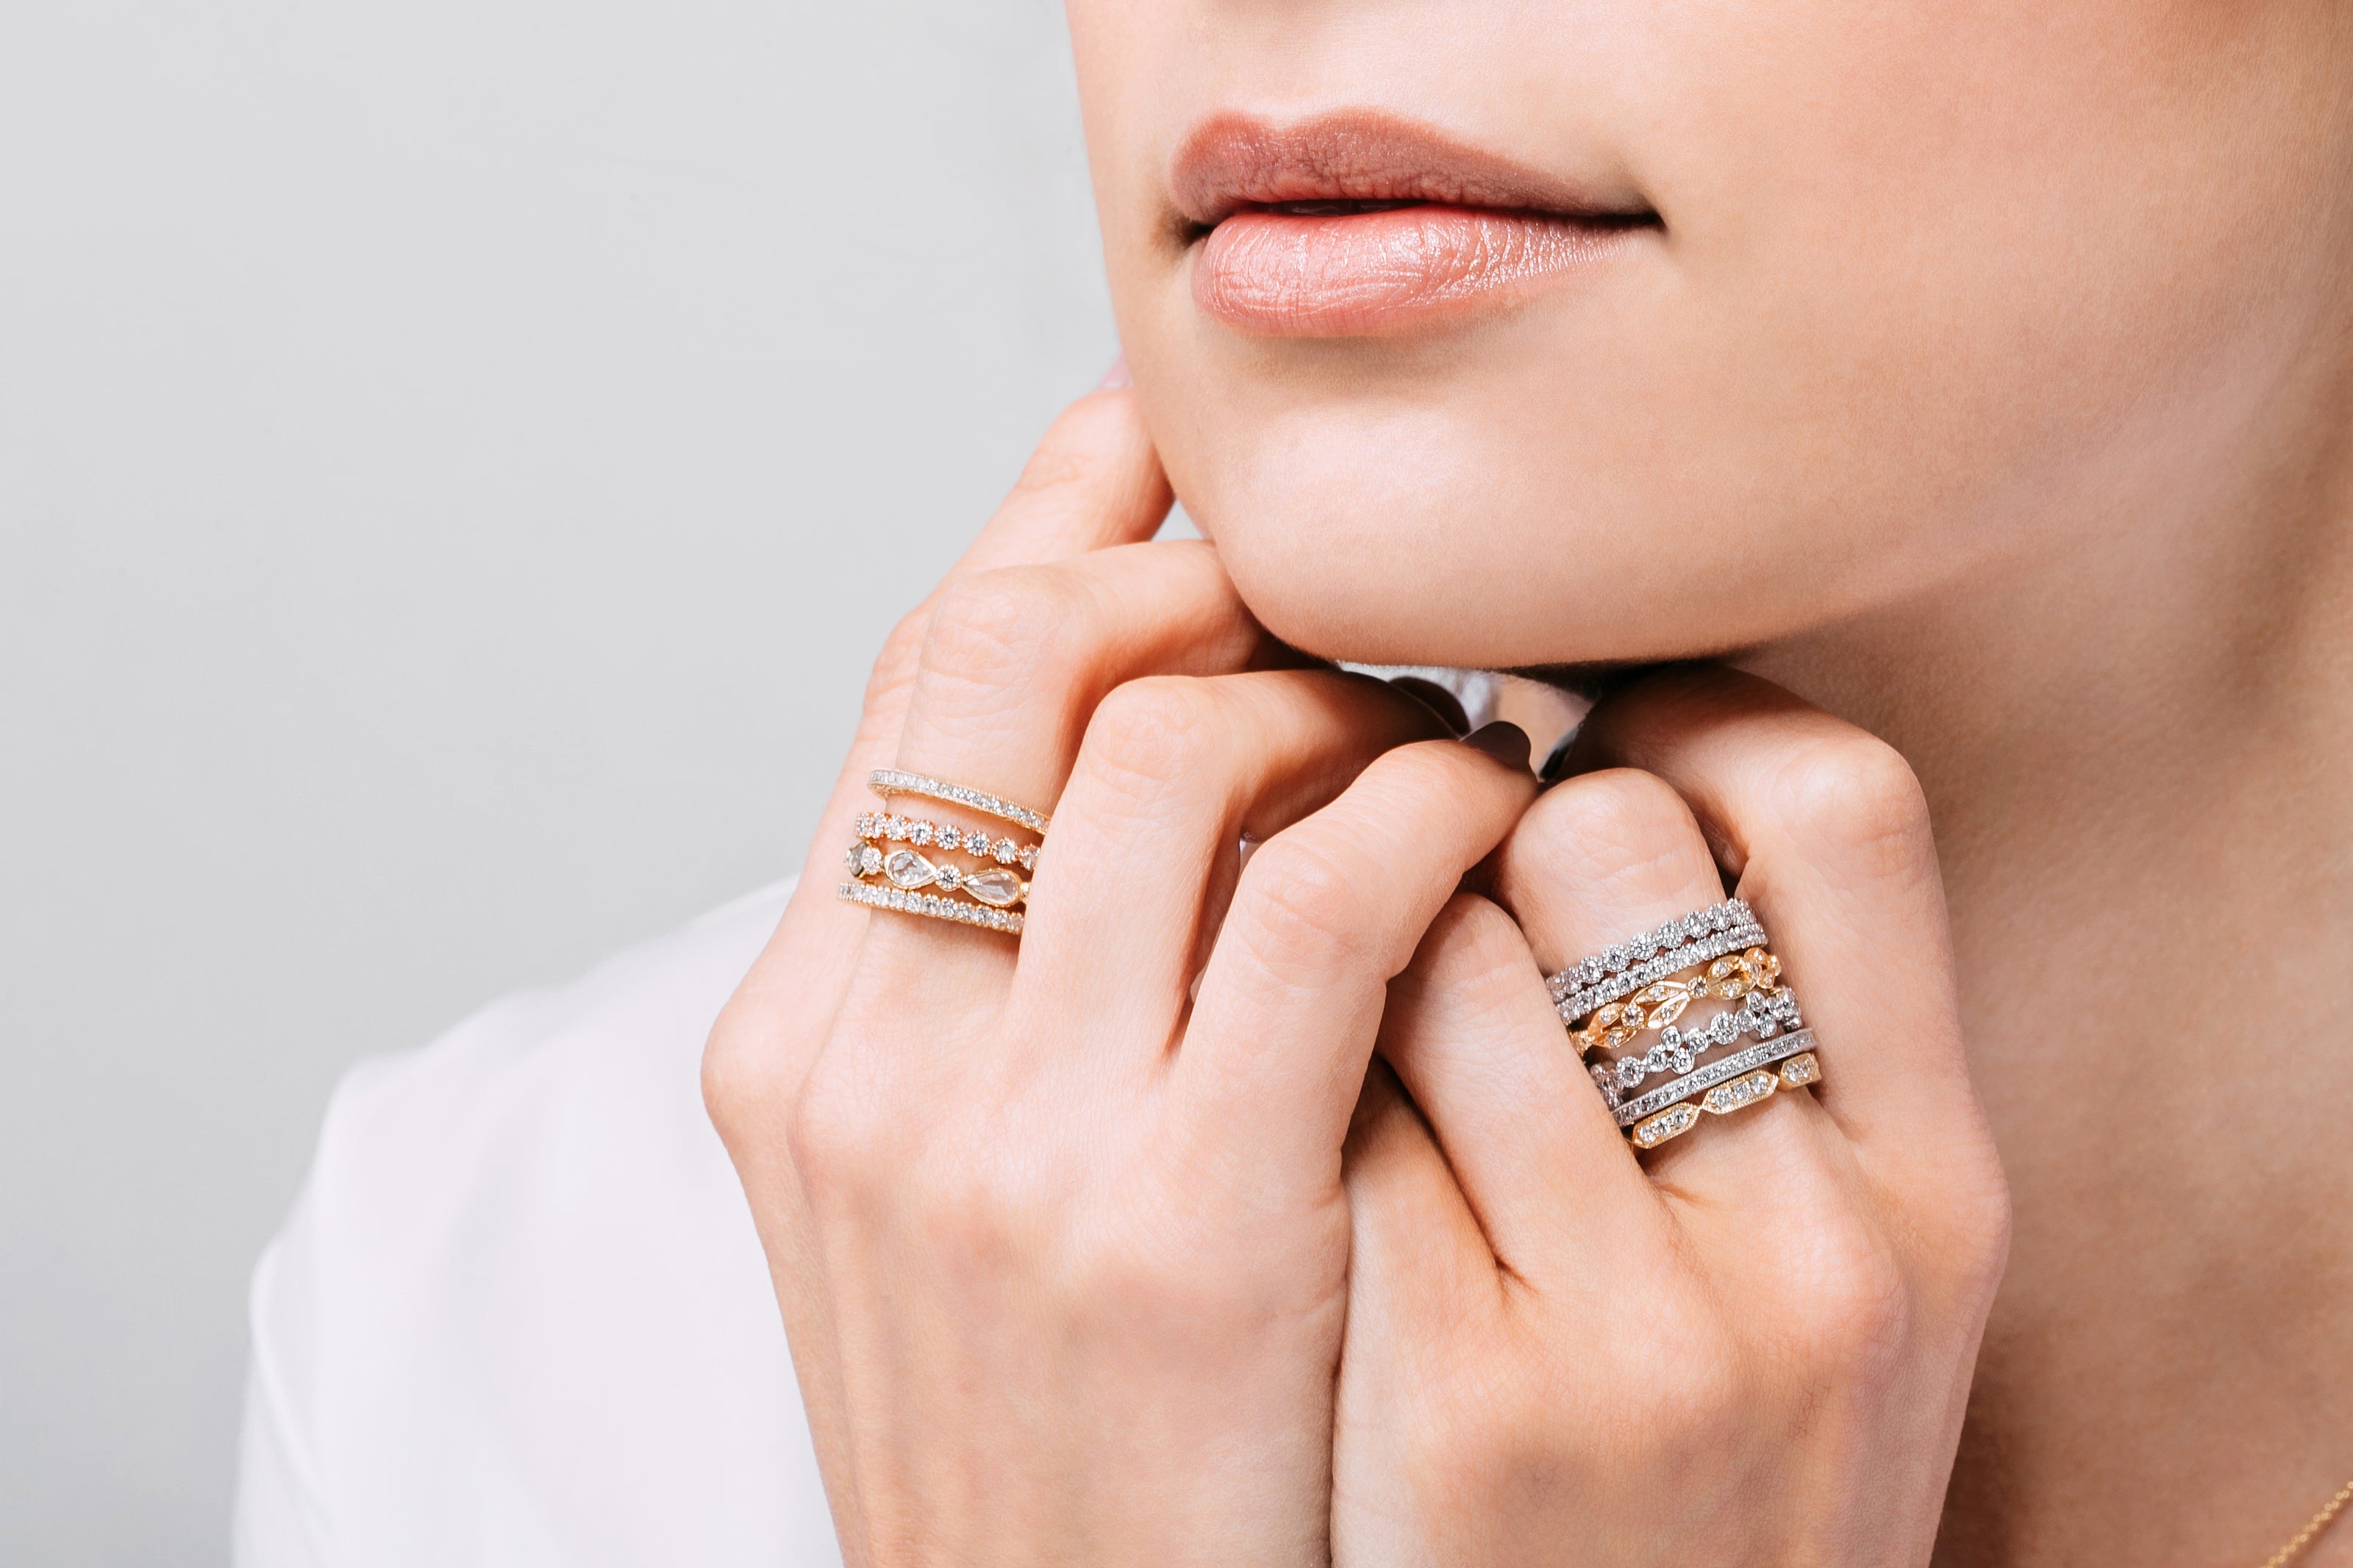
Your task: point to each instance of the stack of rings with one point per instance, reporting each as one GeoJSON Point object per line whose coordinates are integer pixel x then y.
{"type": "Point", "coordinates": [1718, 953]}
{"type": "Point", "coordinates": [894, 879]}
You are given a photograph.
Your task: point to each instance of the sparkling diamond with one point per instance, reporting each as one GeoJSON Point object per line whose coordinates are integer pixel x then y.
{"type": "Point", "coordinates": [1028, 856]}
{"type": "Point", "coordinates": [857, 858]}
{"type": "Point", "coordinates": [948, 876]}
{"type": "Point", "coordinates": [1005, 852]}
{"type": "Point", "coordinates": [894, 827]}
{"type": "Point", "coordinates": [908, 869]}
{"type": "Point", "coordinates": [919, 833]}
{"type": "Point", "coordinates": [1630, 1071]}
{"type": "Point", "coordinates": [994, 887]}
{"type": "Point", "coordinates": [948, 837]}
{"type": "Point", "coordinates": [978, 843]}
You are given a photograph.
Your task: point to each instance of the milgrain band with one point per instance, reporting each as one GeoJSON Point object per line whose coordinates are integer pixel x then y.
{"type": "Point", "coordinates": [925, 834]}
{"type": "Point", "coordinates": [1797, 1042]}
{"type": "Point", "coordinates": [888, 782]}
{"type": "Point", "coordinates": [1763, 1015]}
{"type": "Point", "coordinates": [931, 906]}
{"type": "Point", "coordinates": [1573, 1005]}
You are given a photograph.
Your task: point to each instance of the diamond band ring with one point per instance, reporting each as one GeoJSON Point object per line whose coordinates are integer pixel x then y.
{"type": "Point", "coordinates": [1763, 1014]}
{"type": "Point", "coordinates": [908, 870]}
{"type": "Point", "coordinates": [1796, 1043]}
{"type": "Point", "coordinates": [1744, 1089]}
{"type": "Point", "coordinates": [973, 841]}
{"type": "Point", "coordinates": [988, 897]}
{"type": "Point", "coordinates": [888, 782]}
{"type": "Point", "coordinates": [1620, 970]}
{"type": "Point", "coordinates": [932, 907]}
{"type": "Point", "coordinates": [1615, 1025]}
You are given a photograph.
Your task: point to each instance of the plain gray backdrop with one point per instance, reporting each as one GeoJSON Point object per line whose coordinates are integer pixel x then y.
{"type": "Point", "coordinates": [457, 461]}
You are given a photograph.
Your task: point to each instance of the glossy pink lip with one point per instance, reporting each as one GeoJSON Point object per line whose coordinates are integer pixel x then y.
{"type": "Point", "coordinates": [1359, 223]}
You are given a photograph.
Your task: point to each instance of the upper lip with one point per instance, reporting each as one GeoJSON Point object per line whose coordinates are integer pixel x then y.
{"type": "Point", "coordinates": [1232, 163]}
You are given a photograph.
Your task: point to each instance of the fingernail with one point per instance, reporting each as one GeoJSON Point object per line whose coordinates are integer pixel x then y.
{"type": "Point", "coordinates": [1557, 764]}
{"type": "Point", "coordinates": [1116, 376]}
{"type": "Point", "coordinates": [1503, 741]}
{"type": "Point", "coordinates": [1437, 700]}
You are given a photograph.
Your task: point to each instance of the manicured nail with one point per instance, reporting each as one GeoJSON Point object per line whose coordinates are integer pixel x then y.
{"type": "Point", "coordinates": [1437, 700]}
{"type": "Point", "coordinates": [1116, 376]}
{"type": "Point", "coordinates": [1557, 764]}
{"type": "Point", "coordinates": [1503, 741]}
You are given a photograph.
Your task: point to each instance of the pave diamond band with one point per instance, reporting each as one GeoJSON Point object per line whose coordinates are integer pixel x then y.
{"type": "Point", "coordinates": [1616, 959]}
{"type": "Point", "coordinates": [931, 906]}
{"type": "Point", "coordinates": [889, 849]}
{"type": "Point", "coordinates": [1797, 1042]}
{"type": "Point", "coordinates": [1764, 1014]}
{"type": "Point", "coordinates": [1725, 1098]}
{"type": "Point", "coordinates": [1574, 1005]}
{"type": "Point", "coordinates": [888, 782]}
{"type": "Point", "coordinates": [1616, 1025]}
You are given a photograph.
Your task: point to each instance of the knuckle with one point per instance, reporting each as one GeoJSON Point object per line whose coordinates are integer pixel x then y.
{"type": "Point", "coordinates": [1151, 733]}
{"type": "Point", "coordinates": [1859, 797]}
{"type": "Point", "coordinates": [973, 1211]}
{"type": "Point", "coordinates": [743, 1079]}
{"type": "Point", "coordinates": [832, 1134]}
{"type": "Point", "coordinates": [1625, 829]}
{"type": "Point", "coordinates": [1476, 938]}
{"type": "Point", "coordinates": [1858, 1313]}
{"type": "Point", "coordinates": [1970, 1244]}
{"type": "Point", "coordinates": [1007, 627]}
{"type": "Point", "coordinates": [1300, 906]}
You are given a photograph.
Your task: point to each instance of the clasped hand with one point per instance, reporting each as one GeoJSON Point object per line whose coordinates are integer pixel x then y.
{"type": "Point", "coordinates": [1259, 1211]}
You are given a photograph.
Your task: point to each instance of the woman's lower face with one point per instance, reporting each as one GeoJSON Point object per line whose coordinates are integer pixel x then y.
{"type": "Point", "coordinates": [1718, 322]}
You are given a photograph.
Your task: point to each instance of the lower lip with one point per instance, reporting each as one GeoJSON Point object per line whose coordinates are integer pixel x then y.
{"type": "Point", "coordinates": [1282, 275]}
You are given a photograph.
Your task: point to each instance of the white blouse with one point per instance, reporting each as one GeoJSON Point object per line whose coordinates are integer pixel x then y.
{"type": "Point", "coordinates": [519, 1315]}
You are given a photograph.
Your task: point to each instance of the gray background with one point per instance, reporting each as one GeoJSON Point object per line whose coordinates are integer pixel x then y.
{"type": "Point", "coordinates": [457, 458]}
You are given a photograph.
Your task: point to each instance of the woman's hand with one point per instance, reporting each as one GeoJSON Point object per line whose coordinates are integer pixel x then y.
{"type": "Point", "coordinates": [1754, 1347]}
{"type": "Point", "coordinates": [1059, 1228]}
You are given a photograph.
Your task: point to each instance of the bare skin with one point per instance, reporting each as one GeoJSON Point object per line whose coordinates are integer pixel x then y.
{"type": "Point", "coordinates": [1980, 375]}
{"type": "Point", "coordinates": [2144, 805]}
{"type": "Point", "coordinates": [1990, 384]}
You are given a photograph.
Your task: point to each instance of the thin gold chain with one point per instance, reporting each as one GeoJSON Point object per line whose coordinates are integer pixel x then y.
{"type": "Point", "coordinates": [2334, 1505]}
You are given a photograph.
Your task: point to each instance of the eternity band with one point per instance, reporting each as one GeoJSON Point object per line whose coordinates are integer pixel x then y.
{"type": "Point", "coordinates": [1573, 1004]}
{"type": "Point", "coordinates": [931, 906]}
{"type": "Point", "coordinates": [1796, 1073]}
{"type": "Point", "coordinates": [888, 782]}
{"type": "Point", "coordinates": [1764, 1014]}
{"type": "Point", "coordinates": [923, 834]}
{"type": "Point", "coordinates": [1796, 1042]}
{"type": "Point", "coordinates": [1728, 979]}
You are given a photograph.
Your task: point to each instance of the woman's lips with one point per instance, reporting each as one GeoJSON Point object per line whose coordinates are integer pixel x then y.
{"type": "Point", "coordinates": [1361, 222]}
{"type": "Point", "coordinates": [1292, 275]}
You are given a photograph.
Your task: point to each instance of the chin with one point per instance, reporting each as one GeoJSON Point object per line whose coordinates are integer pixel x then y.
{"type": "Point", "coordinates": [1439, 532]}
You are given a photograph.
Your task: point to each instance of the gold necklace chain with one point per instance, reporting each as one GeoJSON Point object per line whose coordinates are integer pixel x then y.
{"type": "Point", "coordinates": [2330, 1511]}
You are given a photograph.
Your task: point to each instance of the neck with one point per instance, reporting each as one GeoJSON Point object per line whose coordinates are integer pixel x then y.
{"type": "Point", "coordinates": [2137, 758]}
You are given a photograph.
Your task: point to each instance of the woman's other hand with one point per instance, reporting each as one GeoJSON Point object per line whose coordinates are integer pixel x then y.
{"type": "Point", "coordinates": [1058, 1227]}
{"type": "Point", "coordinates": [1753, 1346]}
